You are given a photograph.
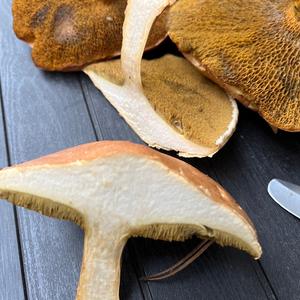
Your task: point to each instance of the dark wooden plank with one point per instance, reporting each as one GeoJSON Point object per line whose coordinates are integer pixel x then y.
{"type": "Point", "coordinates": [46, 112]}
{"type": "Point", "coordinates": [130, 287]}
{"type": "Point", "coordinates": [11, 284]}
{"type": "Point", "coordinates": [221, 274]}
{"type": "Point", "coordinates": [255, 156]}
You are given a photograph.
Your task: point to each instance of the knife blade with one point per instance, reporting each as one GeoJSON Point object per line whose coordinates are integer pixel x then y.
{"type": "Point", "coordinates": [286, 194]}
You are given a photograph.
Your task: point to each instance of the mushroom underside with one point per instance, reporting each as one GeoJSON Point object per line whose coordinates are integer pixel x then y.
{"type": "Point", "coordinates": [250, 48]}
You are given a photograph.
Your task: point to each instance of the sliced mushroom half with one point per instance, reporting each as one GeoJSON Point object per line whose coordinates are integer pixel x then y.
{"type": "Point", "coordinates": [115, 190]}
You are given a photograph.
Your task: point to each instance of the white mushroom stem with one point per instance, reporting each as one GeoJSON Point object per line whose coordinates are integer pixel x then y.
{"type": "Point", "coordinates": [139, 17]}
{"type": "Point", "coordinates": [100, 271]}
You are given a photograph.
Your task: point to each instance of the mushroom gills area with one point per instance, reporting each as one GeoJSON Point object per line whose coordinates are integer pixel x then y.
{"type": "Point", "coordinates": [247, 46]}
{"type": "Point", "coordinates": [69, 34]}
{"type": "Point", "coordinates": [182, 232]}
{"type": "Point", "coordinates": [44, 206]}
{"type": "Point", "coordinates": [189, 102]}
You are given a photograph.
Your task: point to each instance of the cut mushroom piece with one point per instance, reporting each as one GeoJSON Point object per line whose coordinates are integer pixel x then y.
{"type": "Point", "coordinates": [115, 190]}
{"type": "Point", "coordinates": [68, 34]}
{"type": "Point", "coordinates": [174, 107]}
{"type": "Point", "coordinates": [181, 110]}
{"type": "Point", "coordinates": [250, 48]}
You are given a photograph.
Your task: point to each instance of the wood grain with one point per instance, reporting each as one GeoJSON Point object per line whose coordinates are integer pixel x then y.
{"type": "Point", "coordinates": [11, 285]}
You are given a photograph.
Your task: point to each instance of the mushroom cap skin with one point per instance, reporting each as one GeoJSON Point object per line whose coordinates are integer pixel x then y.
{"type": "Point", "coordinates": [250, 48]}
{"type": "Point", "coordinates": [146, 103]}
{"type": "Point", "coordinates": [117, 189]}
{"type": "Point", "coordinates": [67, 35]}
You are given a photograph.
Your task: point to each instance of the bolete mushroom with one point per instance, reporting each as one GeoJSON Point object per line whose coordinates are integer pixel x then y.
{"type": "Point", "coordinates": [172, 106]}
{"type": "Point", "coordinates": [250, 48]}
{"type": "Point", "coordinates": [69, 34]}
{"type": "Point", "coordinates": [115, 190]}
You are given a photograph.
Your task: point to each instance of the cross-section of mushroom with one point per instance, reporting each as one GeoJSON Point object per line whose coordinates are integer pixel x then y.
{"type": "Point", "coordinates": [115, 190]}
{"type": "Point", "coordinates": [250, 48]}
{"type": "Point", "coordinates": [170, 105]}
{"type": "Point", "coordinates": [69, 34]}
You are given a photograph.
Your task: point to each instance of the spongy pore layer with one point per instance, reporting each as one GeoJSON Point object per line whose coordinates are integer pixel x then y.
{"type": "Point", "coordinates": [69, 34]}
{"type": "Point", "coordinates": [189, 102]}
{"type": "Point", "coordinates": [251, 48]}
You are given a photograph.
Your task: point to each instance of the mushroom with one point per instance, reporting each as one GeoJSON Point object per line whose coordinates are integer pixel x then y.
{"type": "Point", "coordinates": [68, 34]}
{"type": "Point", "coordinates": [250, 48]}
{"type": "Point", "coordinates": [172, 106]}
{"type": "Point", "coordinates": [115, 190]}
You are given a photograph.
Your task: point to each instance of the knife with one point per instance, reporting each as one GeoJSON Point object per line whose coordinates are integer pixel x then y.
{"type": "Point", "coordinates": [286, 194]}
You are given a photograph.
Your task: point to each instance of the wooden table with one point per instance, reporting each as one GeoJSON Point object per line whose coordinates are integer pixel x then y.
{"type": "Point", "coordinates": [40, 257]}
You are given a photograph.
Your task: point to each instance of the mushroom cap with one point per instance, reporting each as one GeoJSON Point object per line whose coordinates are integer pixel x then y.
{"type": "Point", "coordinates": [250, 48]}
{"type": "Point", "coordinates": [70, 34]}
{"type": "Point", "coordinates": [115, 190]}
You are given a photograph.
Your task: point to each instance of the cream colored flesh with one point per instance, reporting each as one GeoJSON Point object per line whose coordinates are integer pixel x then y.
{"type": "Point", "coordinates": [116, 197]}
{"type": "Point", "coordinates": [129, 99]}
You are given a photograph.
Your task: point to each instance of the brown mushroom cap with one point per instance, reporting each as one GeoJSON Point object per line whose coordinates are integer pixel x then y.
{"type": "Point", "coordinates": [69, 34]}
{"type": "Point", "coordinates": [251, 48]}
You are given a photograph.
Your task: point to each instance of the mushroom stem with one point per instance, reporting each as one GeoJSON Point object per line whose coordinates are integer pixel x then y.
{"type": "Point", "coordinates": [100, 271]}
{"type": "Point", "coordinates": [142, 13]}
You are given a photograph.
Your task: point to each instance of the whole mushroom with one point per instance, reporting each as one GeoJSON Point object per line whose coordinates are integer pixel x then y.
{"type": "Point", "coordinates": [115, 190]}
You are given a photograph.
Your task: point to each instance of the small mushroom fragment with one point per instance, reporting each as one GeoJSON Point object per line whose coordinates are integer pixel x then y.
{"type": "Point", "coordinates": [250, 48]}
{"type": "Point", "coordinates": [69, 34]}
{"type": "Point", "coordinates": [115, 190]}
{"type": "Point", "coordinates": [171, 106]}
